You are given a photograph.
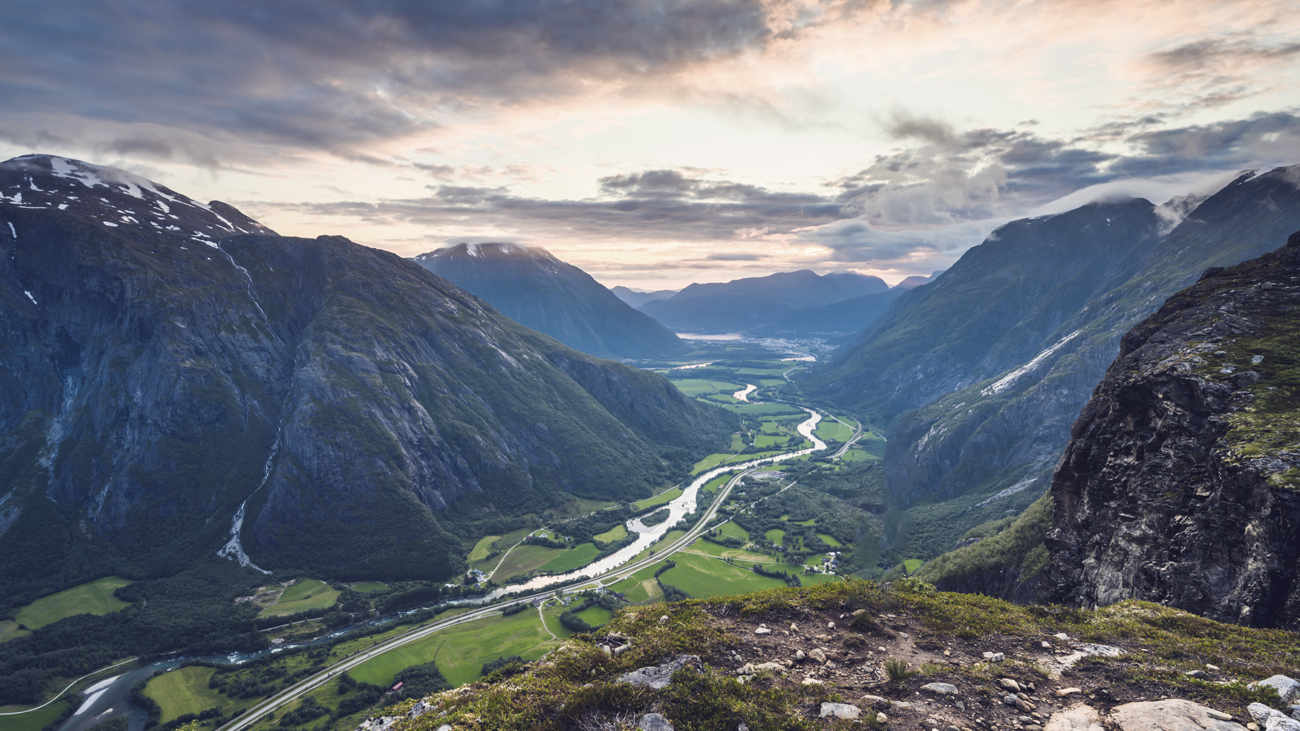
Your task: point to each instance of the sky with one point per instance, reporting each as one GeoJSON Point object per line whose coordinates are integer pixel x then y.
{"type": "Point", "coordinates": [658, 143]}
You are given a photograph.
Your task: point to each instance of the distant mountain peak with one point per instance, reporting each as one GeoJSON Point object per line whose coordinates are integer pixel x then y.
{"type": "Point", "coordinates": [503, 250]}
{"type": "Point", "coordinates": [117, 198]}
{"type": "Point", "coordinates": [531, 286]}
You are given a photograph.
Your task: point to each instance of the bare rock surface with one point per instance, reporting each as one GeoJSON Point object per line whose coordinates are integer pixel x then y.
{"type": "Point", "coordinates": [1075, 718]}
{"type": "Point", "coordinates": [1168, 715]}
{"type": "Point", "coordinates": [1177, 486]}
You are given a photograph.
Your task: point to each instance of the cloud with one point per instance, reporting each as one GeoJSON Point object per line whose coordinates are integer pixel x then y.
{"type": "Point", "coordinates": [654, 205]}
{"type": "Point", "coordinates": [919, 207]}
{"type": "Point", "coordinates": [1215, 71]}
{"type": "Point", "coordinates": [337, 75]}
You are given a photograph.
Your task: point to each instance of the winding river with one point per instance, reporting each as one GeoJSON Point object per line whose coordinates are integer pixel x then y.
{"type": "Point", "coordinates": [109, 698]}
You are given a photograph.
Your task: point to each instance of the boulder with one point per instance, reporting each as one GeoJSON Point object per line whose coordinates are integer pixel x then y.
{"type": "Point", "coordinates": [1168, 715]}
{"type": "Point", "coordinates": [1272, 720]}
{"type": "Point", "coordinates": [1288, 689]}
{"type": "Point", "coordinates": [839, 710]}
{"type": "Point", "coordinates": [940, 688]}
{"type": "Point", "coordinates": [658, 676]}
{"type": "Point", "coordinates": [817, 655]}
{"type": "Point", "coordinates": [1010, 685]}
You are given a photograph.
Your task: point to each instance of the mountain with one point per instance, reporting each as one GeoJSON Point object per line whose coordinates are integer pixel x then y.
{"type": "Point", "coordinates": [635, 299]}
{"type": "Point", "coordinates": [980, 374]}
{"type": "Point", "coordinates": [1179, 485]}
{"type": "Point", "coordinates": [744, 305]}
{"type": "Point", "coordinates": [840, 319]}
{"type": "Point", "coordinates": [915, 281]}
{"type": "Point", "coordinates": [172, 386]}
{"type": "Point", "coordinates": [530, 286]}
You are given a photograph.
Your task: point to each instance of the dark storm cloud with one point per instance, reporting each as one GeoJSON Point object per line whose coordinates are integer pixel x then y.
{"type": "Point", "coordinates": [654, 205]}
{"type": "Point", "coordinates": [329, 74]}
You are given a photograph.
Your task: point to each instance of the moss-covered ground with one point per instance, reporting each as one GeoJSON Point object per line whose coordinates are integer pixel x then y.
{"type": "Point", "coordinates": [938, 636]}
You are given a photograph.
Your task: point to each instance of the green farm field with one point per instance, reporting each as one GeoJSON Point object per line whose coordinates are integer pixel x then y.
{"type": "Point", "coordinates": [574, 558]}
{"type": "Point", "coordinates": [700, 386]}
{"type": "Point", "coordinates": [731, 529]}
{"type": "Point", "coordinates": [613, 534]}
{"type": "Point", "coordinates": [95, 597]}
{"type": "Point", "coordinates": [306, 594]}
{"type": "Point", "coordinates": [34, 721]}
{"type": "Point", "coordinates": [595, 616]}
{"type": "Point", "coordinates": [857, 455]}
{"type": "Point", "coordinates": [185, 690]}
{"type": "Point", "coordinates": [460, 651]}
{"type": "Point", "coordinates": [711, 461]}
{"type": "Point", "coordinates": [833, 431]}
{"type": "Point", "coordinates": [737, 554]}
{"type": "Point", "coordinates": [660, 499]}
{"type": "Point", "coordinates": [524, 558]}
{"type": "Point", "coordinates": [763, 409]}
{"type": "Point", "coordinates": [9, 630]}
{"type": "Point", "coordinates": [482, 548]}
{"type": "Point", "coordinates": [703, 577]}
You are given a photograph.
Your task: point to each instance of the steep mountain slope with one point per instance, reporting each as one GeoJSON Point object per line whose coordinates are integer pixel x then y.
{"type": "Point", "coordinates": [745, 305]}
{"type": "Point", "coordinates": [998, 412]}
{"type": "Point", "coordinates": [635, 299]}
{"type": "Point", "coordinates": [533, 288]}
{"type": "Point", "coordinates": [993, 309]}
{"type": "Point", "coordinates": [351, 410]}
{"type": "Point", "coordinates": [1179, 485]}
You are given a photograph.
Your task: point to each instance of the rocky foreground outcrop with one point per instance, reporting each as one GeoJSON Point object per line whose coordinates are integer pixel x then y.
{"type": "Point", "coordinates": [1181, 483]}
{"type": "Point", "coordinates": [856, 655]}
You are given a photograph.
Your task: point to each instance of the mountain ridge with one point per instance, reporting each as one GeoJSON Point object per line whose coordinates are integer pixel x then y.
{"type": "Point", "coordinates": [154, 386]}
{"type": "Point", "coordinates": [534, 288]}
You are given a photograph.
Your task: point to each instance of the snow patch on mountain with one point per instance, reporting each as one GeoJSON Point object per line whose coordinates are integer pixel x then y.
{"type": "Point", "coordinates": [119, 199]}
{"type": "Point", "coordinates": [1010, 379]}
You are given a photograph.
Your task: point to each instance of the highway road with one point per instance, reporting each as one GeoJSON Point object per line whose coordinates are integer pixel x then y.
{"type": "Point", "coordinates": [306, 685]}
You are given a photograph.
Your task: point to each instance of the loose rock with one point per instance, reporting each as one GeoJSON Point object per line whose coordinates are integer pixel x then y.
{"type": "Point", "coordinates": [1063, 692]}
{"type": "Point", "coordinates": [654, 722]}
{"type": "Point", "coordinates": [940, 688]}
{"type": "Point", "coordinates": [1010, 685]}
{"type": "Point", "coordinates": [882, 718]}
{"type": "Point", "coordinates": [817, 654]}
{"type": "Point", "coordinates": [658, 676]}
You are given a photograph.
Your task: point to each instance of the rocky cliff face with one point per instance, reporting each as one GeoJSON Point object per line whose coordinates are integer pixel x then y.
{"type": "Point", "coordinates": [1047, 301]}
{"type": "Point", "coordinates": [307, 403]}
{"type": "Point", "coordinates": [1181, 482]}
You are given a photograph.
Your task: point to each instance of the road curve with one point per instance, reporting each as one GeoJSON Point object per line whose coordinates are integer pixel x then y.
{"type": "Point", "coordinates": [255, 713]}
